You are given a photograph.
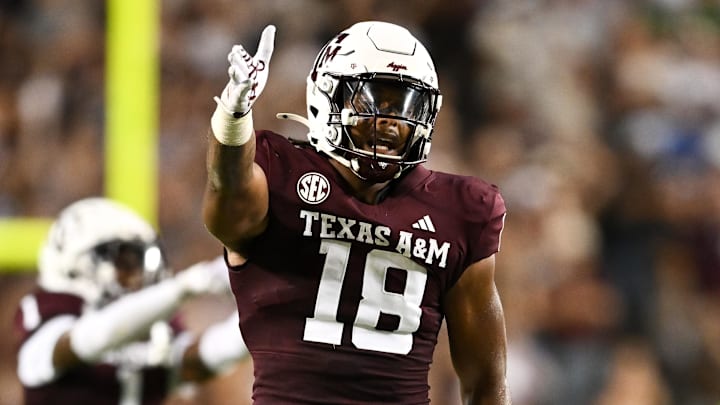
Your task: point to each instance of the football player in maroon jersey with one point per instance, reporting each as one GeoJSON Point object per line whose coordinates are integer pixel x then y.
{"type": "Point", "coordinates": [345, 253]}
{"type": "Point", "coordinates": [99, 329]}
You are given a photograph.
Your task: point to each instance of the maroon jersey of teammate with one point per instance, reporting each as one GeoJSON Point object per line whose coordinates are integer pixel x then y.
{"type": "Point", "coordinates": [120, 374]}
{"type": "Point", "coordinates": [337, 290]}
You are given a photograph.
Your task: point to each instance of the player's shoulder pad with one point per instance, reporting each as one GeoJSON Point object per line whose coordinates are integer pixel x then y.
{"type": "Point", "coordinates": [474, 198]}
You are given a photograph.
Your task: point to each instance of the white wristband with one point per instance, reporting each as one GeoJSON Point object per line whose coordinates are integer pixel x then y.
{"type": "Point", "coordinates": [228, 129]}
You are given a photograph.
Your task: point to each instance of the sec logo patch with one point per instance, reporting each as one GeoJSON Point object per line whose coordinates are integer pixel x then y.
{"type": "Point", "coordinates": [313, 188]}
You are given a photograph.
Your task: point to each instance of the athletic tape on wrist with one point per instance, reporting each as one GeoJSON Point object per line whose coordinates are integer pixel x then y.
{"type": "Point", "coordinates": [229, 129]}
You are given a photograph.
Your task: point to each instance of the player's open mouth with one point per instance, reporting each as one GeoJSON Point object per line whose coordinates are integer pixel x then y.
{"type": "Point", "coordinates": [386, 144]}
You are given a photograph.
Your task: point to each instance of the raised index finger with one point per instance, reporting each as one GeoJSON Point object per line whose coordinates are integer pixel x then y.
{"type": "Point", "coordinates": [267, 44]}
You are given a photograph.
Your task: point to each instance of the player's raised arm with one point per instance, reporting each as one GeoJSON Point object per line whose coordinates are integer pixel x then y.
{"type": "Point", "coordinates": [236, 196]}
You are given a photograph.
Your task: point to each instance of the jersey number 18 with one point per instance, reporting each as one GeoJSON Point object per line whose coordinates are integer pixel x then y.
{"type": "Point", "coordinates": [323, 327]}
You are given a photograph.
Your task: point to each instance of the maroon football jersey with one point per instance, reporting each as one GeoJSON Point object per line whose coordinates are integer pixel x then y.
{"type": "Point", "coordinates": [99, 384]}
{"type": "Point", "coordinates": [341, 301]}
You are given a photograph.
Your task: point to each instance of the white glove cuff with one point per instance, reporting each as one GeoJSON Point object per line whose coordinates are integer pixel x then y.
{"type": "Point", "coordinates": [222, 345]}
{"type": "Point", "coordinates": [229, 129]}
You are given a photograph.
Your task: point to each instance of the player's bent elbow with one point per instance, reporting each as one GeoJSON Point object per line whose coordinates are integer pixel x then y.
{"type": "Point", "coordinates": [89, 343]}
{"type": "Point", "coordinates": [234, 224]}
{"type": "Point", "coordinates": [236, 234]}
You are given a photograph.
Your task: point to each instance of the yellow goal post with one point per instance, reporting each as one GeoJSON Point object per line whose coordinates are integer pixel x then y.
{"type": "Point", "coordinates": [131, 105]}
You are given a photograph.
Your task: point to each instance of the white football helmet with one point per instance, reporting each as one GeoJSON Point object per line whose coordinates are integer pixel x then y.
{"type": "Point", "coordinates": [340, 90]}
{"type": "Point", "coordinates": [86, 241]}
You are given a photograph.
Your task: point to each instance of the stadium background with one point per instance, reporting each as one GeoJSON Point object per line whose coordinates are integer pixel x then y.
{"type": "Point", "coordinates": [598, 119]}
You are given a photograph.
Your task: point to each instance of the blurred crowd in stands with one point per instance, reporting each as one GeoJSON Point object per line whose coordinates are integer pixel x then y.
{"type": "Point", "coordinates": [598, 119]}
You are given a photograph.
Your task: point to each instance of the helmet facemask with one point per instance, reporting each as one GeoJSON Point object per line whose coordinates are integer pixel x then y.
{"type": "Point", "coordinates": [123, 266]}
{"type": "Point", "coordinates": [382, 123]}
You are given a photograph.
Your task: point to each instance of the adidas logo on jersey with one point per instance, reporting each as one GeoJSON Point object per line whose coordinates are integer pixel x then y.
{"type": "Point", "coordinates": [424, 223]}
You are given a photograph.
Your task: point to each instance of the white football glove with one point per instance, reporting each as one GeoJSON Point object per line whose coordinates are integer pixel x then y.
{"type": "Point", "coordinates": [231, 122]}
{"type": "Point", "coordinates": [248, 75]}
{"type": "Point", "coordinates": [208, 277]}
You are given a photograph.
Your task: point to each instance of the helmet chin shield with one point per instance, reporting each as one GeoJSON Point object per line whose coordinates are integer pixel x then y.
{"type": "Point", "coordinates": [368, 74]}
